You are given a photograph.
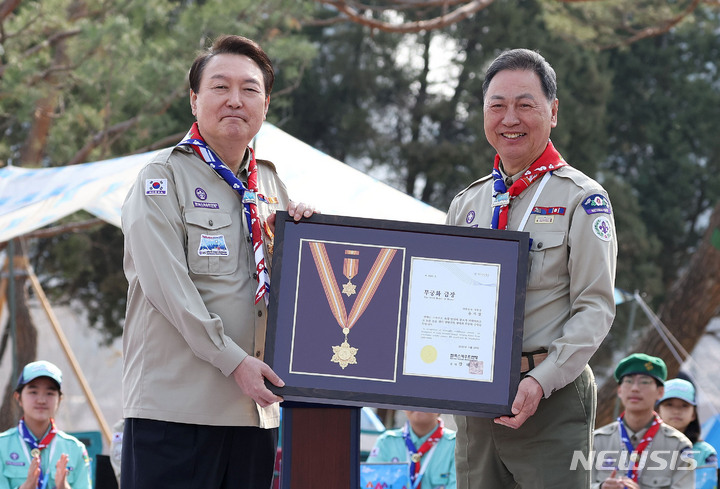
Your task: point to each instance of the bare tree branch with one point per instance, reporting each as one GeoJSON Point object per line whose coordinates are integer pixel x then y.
{"type": "Point", "coordinates": [51, 41]}
{"type": "Point", "coordinates": [454, 11]}
{"type": "Point", "coordinates": [72, 227]}
{"type": "Point", "coordinates": [7, 7]}
{"type": "Point", "coordinates": [460, 13]}
{"type": "Point", "coordinates": [658, 29]}
{"type": "Point", "coordinates": [120, 128]}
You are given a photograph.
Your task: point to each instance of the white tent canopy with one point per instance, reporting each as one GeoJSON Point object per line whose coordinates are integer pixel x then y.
{"type": "Point", "coordinates": [33, 198]}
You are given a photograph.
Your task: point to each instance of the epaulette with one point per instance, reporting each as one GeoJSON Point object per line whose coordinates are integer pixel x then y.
{"type": "Point", "coordinates": [267, 163]}
{"type": "Point", "coordinates": [476, 182]}
{"type": "Point", "coordinates": [579, 178]}
{"type": "Point", "coordinates": [608, 429]}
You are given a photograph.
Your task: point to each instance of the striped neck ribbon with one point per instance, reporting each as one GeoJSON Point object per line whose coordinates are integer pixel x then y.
{"type": "Point", "coordinates": [249, 196]}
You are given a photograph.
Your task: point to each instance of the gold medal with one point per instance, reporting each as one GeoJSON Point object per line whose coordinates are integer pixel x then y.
{"type": "Point", "coordinates": [35, 452]}
{"type": "Point", "coordinates": [344, 354]}
{"type": "Point", "coordinates": [416, 457]}
{"type": "Point", "coordinates": [350, 269]}
{"type": "Point", "coordinates": [348, 288]}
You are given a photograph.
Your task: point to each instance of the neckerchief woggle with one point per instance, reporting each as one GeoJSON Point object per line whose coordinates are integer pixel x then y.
{"type": "Point", "coordinates": [249, 196]}
{"type": "Point", "coordinates": [502, 196]}
{"type": "Point", "coordinates": [36, 447]}
{"type": "Point", "coordinates": [636, 453]}
{"type": "Point", "coordinates": [416, 455]}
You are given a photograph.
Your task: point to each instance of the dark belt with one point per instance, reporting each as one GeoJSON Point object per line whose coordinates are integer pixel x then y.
{"type": "Point", "coordinates": [531, 360]}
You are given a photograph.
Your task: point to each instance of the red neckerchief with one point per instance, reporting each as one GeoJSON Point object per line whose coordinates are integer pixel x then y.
{"type": "Point", "coordinates": [548, 161]}
{"type": "Point", "coordinates": [636, 453]}
{"type": "Point", "coordinates": [416, 455]}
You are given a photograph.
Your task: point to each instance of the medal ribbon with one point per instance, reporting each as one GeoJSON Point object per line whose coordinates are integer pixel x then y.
{"type": "Point", "coordinates": [350, 266]}
{"type": "Point", "coordinates": [417, 454]}
{"type": "Point", "coordinates": [38, 445]}
{"type": "Point", "coordinates": [332, 291]}
{"type": "Point", "coordinates": [633, 471]}
{"type": "Point", "coordinates": [550, 160]}
{"type": "Point", "coordinates": [249, 196]}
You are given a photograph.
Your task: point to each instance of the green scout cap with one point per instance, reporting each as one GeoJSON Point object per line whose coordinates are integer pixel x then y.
{"type": "Point", "coordinates": [640, 363]}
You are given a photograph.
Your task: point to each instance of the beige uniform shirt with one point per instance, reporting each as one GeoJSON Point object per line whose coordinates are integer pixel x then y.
{"type": "Point", "coordinates": [191, 317]}
{"type": "Point", "coordinates": [667, 463]}
{"type": "Point", "coordinates": [570, 302]}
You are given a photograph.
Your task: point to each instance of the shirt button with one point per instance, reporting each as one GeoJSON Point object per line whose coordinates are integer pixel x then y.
{"type": "Point", "coordinates": [249, 239]}
{"type": "Point", "coordinates": [210, 222]}
{"type": "Point", "coordinates": [540, 245]}
{"type": "Point", "coordinates": [257, 353]}
{"type": "Point", "coordinates": [255, 275]}
{"type": "Point", "coordinates": [259, 313]}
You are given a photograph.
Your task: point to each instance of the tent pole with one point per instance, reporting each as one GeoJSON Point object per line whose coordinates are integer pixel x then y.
{"type": "Point", "coordinates": [12, 305]}
{"type": "Point", "coordinates": [107, 434]}
{"type": "Point", "coordinates": [3, 287]}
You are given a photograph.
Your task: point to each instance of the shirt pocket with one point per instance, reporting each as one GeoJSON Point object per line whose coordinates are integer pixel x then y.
{"type": "Point", "coordinates": [15, 474]}
{"type": "Point", "coordinates": [658, 481]}
{"type": "Point", "coordinates": [212, 243]}
{"type": "Point", "coordinates": [548, 258]}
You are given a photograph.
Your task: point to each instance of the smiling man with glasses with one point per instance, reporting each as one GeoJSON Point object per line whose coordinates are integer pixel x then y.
{"type": "Point", "coordinates": [638, 450]}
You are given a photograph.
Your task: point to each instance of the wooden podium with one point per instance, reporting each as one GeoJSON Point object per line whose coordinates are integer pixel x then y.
{"type": "Point", "coordinates": [320, 446]}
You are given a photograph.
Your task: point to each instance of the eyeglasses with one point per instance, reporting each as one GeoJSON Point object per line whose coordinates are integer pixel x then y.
{"type": "Point", "coordinates": [641, 381]}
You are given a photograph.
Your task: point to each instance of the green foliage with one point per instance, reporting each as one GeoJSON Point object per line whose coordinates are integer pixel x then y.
{"type": "Point", "coordinates": [115, 77]}
{"type": "Point", "coordinates": [641, 117]}
{"type": "Point", "coordinates": [86, 269]}
{"type": "Point", "coordinates": [601, 24]}
{"type": "Point", "coordinates": [663, 137]}
{"type": "Point", "coordinates": [423, 126]}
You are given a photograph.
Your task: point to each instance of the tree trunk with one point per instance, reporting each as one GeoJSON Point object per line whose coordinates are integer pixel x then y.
{"type": "Point", "coordinates": [692, 302]}
{"type": "Point", "coordinates": [25, 337]}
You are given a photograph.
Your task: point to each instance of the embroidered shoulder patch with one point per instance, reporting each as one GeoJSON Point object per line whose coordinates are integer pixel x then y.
{"type": "Point", "coordinates": [597, 204]}
{"type": "Point", "coordinates": [602, 228]}
{"type": "Point", "coordinates": [156, 186]}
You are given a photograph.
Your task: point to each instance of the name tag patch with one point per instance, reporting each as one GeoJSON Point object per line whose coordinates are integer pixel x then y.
{"type": "Point", "coordinates": [597, 204]}
{"type": "Point", "coordinates": [156, 186]}
{"type": "Point", "coordinates": [544, 219]}
{"type": "Point", "coordinates": [206, 205]}
{"type": "Point", "coordinates": [212, 245]}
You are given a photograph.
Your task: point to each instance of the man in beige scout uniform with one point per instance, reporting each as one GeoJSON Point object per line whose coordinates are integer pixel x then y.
{"type": "Point", "coordinates": [640, 451]}
{"type": "Point", "coordinates": [197, 225]}
{"type": "Point", "coordinates": [569, 306]}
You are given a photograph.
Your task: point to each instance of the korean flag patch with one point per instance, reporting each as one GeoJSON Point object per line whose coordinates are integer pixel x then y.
{"type": "Point", "coordinates": [156, 186]}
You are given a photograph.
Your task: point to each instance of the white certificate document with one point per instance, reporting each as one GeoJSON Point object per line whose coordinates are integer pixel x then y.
{"type": "Point", "coordinates": [451, 319]}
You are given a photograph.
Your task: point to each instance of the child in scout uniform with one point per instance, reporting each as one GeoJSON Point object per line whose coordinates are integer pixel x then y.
{"type": "Point", "coordinates": [35, 454]}
{"type": "Point", "coordinates": [426, 445]}
{"type": "Point", "coordinates": [678, 408]}
{"type": "Point", "coordinates": [639, 450]}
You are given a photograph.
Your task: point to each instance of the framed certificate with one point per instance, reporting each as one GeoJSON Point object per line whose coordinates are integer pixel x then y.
{"type": "Point", "coordinates": [367, 312]}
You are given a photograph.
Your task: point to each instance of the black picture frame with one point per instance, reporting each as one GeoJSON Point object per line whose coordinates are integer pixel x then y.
{"type": "Point", "coordinates": [304, 335]}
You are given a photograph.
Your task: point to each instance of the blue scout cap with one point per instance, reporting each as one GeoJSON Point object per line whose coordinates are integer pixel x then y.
{"type": "Point", "coordinates": [640, 363]}
{"type": "Point", "coordinates": [680, 389]}
{"type": "Point", "coordinates": [37, 369]}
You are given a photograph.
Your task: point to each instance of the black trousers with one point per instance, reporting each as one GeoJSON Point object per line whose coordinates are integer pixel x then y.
{"type": "Point", "coordinates": [160, 454]}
